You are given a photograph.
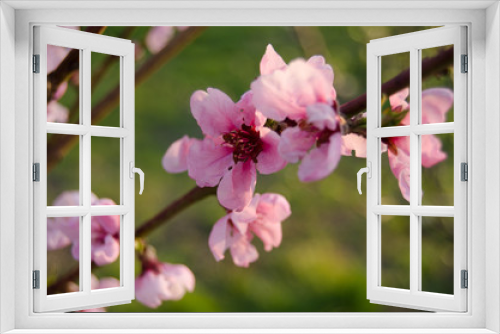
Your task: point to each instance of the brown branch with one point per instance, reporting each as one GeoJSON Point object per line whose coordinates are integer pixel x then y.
{"type": "Point", "coordinates": [194, 195]}
{"type": "Point", "coordinates": [402, 80]}
{"type": "Point", "coordinates": [59, 286]}
{"type": "Point", "coordinates": [59, 145]}
{"type": "Point", "coordinates": [67, 67]}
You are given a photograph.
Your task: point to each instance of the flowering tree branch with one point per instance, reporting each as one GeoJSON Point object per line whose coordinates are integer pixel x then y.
{"type": "Point", "coordinates": [68, 66]}
{"type": "Point", "coordinates": [194, 195]}
{"type": "Point", "coordinates": [59, 145]}
{"type": "Point", "coordinates": [402, 80]}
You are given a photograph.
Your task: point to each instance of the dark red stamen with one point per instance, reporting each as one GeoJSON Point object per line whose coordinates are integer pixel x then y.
{"type": "Point", "coordinates": [246, 143]}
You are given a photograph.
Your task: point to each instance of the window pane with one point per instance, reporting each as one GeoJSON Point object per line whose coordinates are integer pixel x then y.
{"type": "Point", "coordinates": [395, 108]}
{"type": "Point", "coordinates": [106, 168]}
{"type": "Point", "coordinates": [105, 252]}
{"type": "Point", "coordinates": [437, 169]}
{"type": "Point", "coordinates": [437, 254]}
{"type": "Point", "coordinates": [63, 84]}
{"type": "Point", "coordinates": [396, 251]}
{"type": "Point", "coordinates": [63, 179]}
{"type": "Point", "coordinates": [63, 239]}
{"type": "Point", "coordinates": [437, 89]}
{"type": "Point", "coordinates": [105, 78]}
{"type": "Point", "coordinates": [395, 171]}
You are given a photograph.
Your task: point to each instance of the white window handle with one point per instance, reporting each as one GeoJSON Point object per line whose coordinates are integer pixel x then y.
{"type": "Point", "coordinates": [141, 176]}
{"type": "Point", "coordinates": [368, 171]}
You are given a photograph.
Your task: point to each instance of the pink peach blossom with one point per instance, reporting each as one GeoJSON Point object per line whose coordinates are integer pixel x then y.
{"type": "Point", "coordinates": [236, 145]}
{"type": "Point", "coordinates": [158, 37]}
{"type": "Point", "coordinates": [435, 104]}
{"type": "Point", "coordinates": [301, 92]}
{"type": "Point", "coordinates": [56, 112]}
{"type": "Point", "coordinates": [105, 230]}
{"type": "Point", "coordinates": [235, 231]}
{"type": "Point", "coordinates": [162, 281]}
{"type": "Point", "coordinates": [175, 159]}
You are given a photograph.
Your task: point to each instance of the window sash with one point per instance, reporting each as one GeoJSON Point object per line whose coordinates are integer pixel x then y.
{"type": "Point", "coordinates": [86, 43]}
{"type": "Point", "coordinates": [414, 298]}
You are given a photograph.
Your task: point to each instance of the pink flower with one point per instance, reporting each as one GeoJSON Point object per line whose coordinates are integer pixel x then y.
{"type": "Point", "coordinates": [158, 37]}
{"type": "Point", "coordinates": [95, 283]}
{"type": "Point", "coordinates": [162, 281]}
{"type": "Point", "coordinates": [302, 95]}
{"type": "Point", "coordinates": [435, 104]}
{"type": "Point", "coordinates": [105, 230]}
{"type": "Point", "coordinates": [56, 112]}
{"type": "Point", "coordinates": [236, 145]}
{"type": "Point", "coordinates": [235, 231]}
{"type": "Point", "coordinates": [175, 159]}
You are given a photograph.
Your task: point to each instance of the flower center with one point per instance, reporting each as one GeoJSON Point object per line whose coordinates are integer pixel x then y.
{"type": "Point", "coordinates": [246, 143]}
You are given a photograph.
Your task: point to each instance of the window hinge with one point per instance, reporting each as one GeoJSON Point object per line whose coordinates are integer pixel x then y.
{"type": "Point", "coordinates": [36, 172]}
{"type": "Point", "coordinates": [36, 63]}
{"type": "Point", "coordinates": [36, 279]}
{"type": "Point", "coordinates": [465, 64]}
{"type": "Point", "coordinates": [464, 172]}
{"type": "Point", "coordinates": [465, 279]}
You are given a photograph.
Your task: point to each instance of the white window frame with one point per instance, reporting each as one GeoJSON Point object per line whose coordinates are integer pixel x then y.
{"type": "Point", "coordinates": [483, 21]}
{"type": "Point", "coordinates": [414, 296]}
{"type": "Point", "coordinates": [87, 44]}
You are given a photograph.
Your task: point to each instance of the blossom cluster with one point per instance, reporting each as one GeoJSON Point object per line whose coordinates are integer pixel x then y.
{"type": "Point", "coordinates": [289, 115]}
{"type": "Point", "coordinates": [158, 281]}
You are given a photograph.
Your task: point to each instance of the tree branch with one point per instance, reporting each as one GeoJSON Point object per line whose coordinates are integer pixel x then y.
{"type": "Point", "coordinates": [67, 67]}
{"type": "Point", "coordinates": [59, 145]}
{"type": "Point", "coordinates": [194, 195]}
{"type": "Point", "coordinates": [402, 80]}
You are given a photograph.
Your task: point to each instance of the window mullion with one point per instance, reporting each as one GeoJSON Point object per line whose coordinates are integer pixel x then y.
{"type": "Point", "coordinates": [85, 167]}
{"type": "Point", "coordinates": [414, 170]}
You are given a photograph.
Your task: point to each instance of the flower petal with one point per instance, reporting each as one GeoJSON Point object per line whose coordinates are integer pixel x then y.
{"type": "Point", "coordinates": [250, 116]}
{"type": "Point", "coordinates": [242, 251]}
{"type": "Point", "coordinates": [269, 160]}
{"type": "Point", "coordinates": [295, 144]}
{"type": "Point", "coordinates": [320, 63]}
{"type": "Point", "coordinates": [271, 61]}
{"type": "Point", "coordinates": [158, 37]}
{"type": "Point", "coordinates": [249, 213]}
{"type": "Point", "coordinates": [215, 112]}
{"type": "Point", "coordinates": [218, 238]}
{"type": "Point", "coordinates": [175, 159]}
{"type": "Point", "coordinates": [181, 279]}
{"type": "Point", "coordinates": [105, 252]}
{"type": "Point", "coordinates": [321, 161]}
{"type": "Point", "coordinates": [435, 104]}
{"type": "Point", "coordinates": [269, 233]}
{"type": "Point", "coordinates": [151, 288]}
{"type": "Point", "coordinates": [56, 112]}
{"type": "Point", "coordinates": [353, 142]}
{"type": "Point", "coordinates": [431, 151]}
{"type": "Point", "coordinates": [237, 186]}
{"type": "Point", "coordinates": [273, 207]}
{"type": "Point", "coordinates": [208, 162]}
{"type": "Point", "coordinates": [285, 94]}
{"type": "Point", "coordinates": [400, 167]}
{"type": "Point", "coordinates": [321, 116]}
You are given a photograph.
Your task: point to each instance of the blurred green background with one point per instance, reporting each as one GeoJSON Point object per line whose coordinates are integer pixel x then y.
{"type": "Point", "coordinates": [321, 263]}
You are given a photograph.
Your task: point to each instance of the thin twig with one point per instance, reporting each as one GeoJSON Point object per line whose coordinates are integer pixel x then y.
{"type": "Point", "coordinates": [59, 145]}
{"type": "Point", "coordinates": [67, 67]}
{"type": "Point", "coordinates": [402, 80]}
{"type": "Point", "coordinates": [194, 195]}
